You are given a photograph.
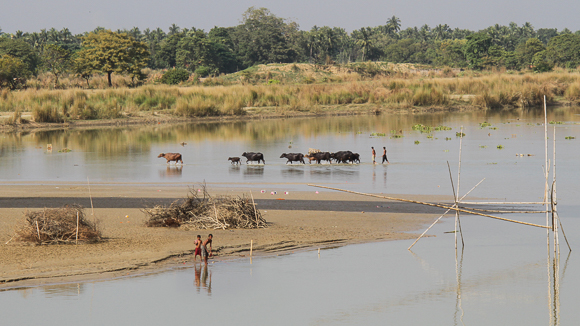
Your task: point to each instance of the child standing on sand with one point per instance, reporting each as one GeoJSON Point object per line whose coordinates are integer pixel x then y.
{"type": "Point", "coordinates": [197, 244]}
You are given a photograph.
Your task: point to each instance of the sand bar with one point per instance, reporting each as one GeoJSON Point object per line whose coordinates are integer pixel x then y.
{"type": "Point", "coordinates": [297, 221]}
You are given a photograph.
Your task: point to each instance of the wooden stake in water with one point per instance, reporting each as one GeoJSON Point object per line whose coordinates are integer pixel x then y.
{"type": "Point", "coordinates": [251, 247]}
{"type": "Point", "coordinates": [546, 173]}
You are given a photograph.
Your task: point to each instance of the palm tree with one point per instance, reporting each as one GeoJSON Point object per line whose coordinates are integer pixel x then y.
{"type": "Point", "coordinates": [173, 29]}
{"type": "Point", "coordinates": [393, 25]}
{"type": "Point", "coordinates": [363, 40]}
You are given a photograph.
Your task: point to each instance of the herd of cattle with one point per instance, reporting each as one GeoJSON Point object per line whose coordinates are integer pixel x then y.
{"type": "Point", "coordinates": [338, 157]}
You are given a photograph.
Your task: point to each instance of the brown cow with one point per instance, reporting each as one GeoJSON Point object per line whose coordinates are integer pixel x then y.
{"type": "Point", "coordinates": [171, 157]}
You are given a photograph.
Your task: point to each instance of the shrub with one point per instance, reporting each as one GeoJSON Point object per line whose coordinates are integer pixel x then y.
{"type": "Point", "coordinates": [46, 113]}
{"type": "Point", "coordinates": [203, 71]}
{"type": "Point", "coordinates": [175, 76]}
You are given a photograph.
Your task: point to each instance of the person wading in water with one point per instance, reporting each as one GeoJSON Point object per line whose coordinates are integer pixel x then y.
{"type": "Point", "coordinates": [385, 155]}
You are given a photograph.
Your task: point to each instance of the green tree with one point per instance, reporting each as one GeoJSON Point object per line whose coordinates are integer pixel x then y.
{"type": "Point", "coordinates": [450, 53]}
{"type": "Point", "coordinates": [393, 25]}
{"type": "Point", "coordinates": [564, 50]}
{"type": "Point", "coordinates": [21, 50]}
{"type": "Point", "coordinates": [55, 60]}
{"type": "Point", "coordinates": [264, 38]}
{"type": "Point", "coordinates": [13, 72]}
{"type": "Point", "coordinates": [197, 50]}
{"type": "Point", "coordinates": [526, 51]}
{"type": "Point", "coordinates": [110, 52]}
{"type": "Point", "coordinates": [476, 48]}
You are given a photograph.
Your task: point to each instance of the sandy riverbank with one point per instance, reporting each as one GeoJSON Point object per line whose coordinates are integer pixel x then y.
{"type": "Point", "coordinates": [302, 220]}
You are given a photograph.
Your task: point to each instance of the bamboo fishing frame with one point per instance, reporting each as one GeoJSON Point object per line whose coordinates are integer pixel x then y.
{"type": "Point", "coordinates": [433, 205]}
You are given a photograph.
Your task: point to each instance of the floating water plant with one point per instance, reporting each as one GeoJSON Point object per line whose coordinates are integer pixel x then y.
{"type": "Point", "coordinates": [380, 134]}
{"type": "Point", "coordinates": [446, 150]}
{"type": "Point", "coordinates": [430, 136]}
{"type": "Point", "coordinates": [422, 128]}
{"type": "Point", "coordinates": [397, 136]}
{"type": "Point", "coordinates": [447, 138]}
{"type": "Point", "coordinates": [570, 137]}
{"type": "Point", "coordinates": [65, 150]}
{"type": "Point", "coordinates": [484, 124]}
{"type": "Point", "coordinates": [482, 146]}
{"type": "Point", "coordinates": [417, 142]}
{"type": "Point", "coordinates": [556, 122]}
{"type": "Point", "coordinates": [460, 134]}
{"type": "Point", "coordinates": [499, 146]}
{"type": "Point", "coordinates": [493, 128]}
{"type": "Point", "coordinates": [440, 128]}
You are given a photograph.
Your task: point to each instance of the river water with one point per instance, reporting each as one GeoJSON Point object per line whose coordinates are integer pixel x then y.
{"type": "Point", "coordinates": [503, 277]}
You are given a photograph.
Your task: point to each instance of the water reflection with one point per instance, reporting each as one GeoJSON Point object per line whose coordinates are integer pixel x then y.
{"type": "Point", "coordinates": [252, 171]}
{"type": "Point", "coordinates": [292, 172]}
{"type": "Point", "coordinates": [64, 290]}
{"type": "Point", "coordinates": [202, 278]}
{"type": "Point", "coordinates": [234, 169]}
{"type": "Point", "coordinates": [171, 172]}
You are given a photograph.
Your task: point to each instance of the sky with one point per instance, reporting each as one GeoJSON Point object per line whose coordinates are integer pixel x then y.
{"type": "Point", "coordinates": [85, 15]}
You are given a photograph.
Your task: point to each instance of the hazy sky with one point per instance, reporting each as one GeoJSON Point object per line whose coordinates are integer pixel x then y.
{"type": "Point", "coordinates": [84, 15]}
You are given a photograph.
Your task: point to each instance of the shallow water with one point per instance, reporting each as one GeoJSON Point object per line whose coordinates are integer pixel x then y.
{"type": "Point", "coordinates": [503, 278]}
{"type": "Point", "coordinates": [130, 154]}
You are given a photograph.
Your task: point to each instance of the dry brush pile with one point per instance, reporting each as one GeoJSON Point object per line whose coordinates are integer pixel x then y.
{"type": "Point", "coordinates": [202, 211]}
{"type": "Point", "coordinates": [58, 226]}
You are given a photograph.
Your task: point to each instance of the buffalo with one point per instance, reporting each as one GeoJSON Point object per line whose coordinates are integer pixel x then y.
{"type": "Point", "coordinates": [320, 156]}
{"type": "Point", "coordinates": [171, 157]}
{"type": "Point", "coordinates": [346, 157]}
{"type": "Point", "coordinates": [235, 160]}
{"type": "Point", "coordinates": [293, 157]}
{"type": "Point", "coordinates": [251, 156]}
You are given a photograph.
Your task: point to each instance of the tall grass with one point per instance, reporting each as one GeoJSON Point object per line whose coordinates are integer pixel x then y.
{"type": "Point", "coordinates": [487, 91]}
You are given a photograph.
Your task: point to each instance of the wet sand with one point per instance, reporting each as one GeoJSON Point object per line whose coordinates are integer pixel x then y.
{"type": "Point", "coordinates": [301, 221]}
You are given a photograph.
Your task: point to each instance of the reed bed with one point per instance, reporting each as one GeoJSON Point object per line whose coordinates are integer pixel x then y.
{"type": "Point", "coordinates": [63, 225]}
{"type": "Point", "coordinates": [202, 211]}
{"type": "Point", "coordinates": [487, 91]}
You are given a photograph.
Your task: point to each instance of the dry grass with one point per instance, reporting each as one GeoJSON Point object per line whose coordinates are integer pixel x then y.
{"type": "Point", "coordinates": [403, 89]}
{"type": "Point", "coordinates": [57, 226]}
{"type": "Point", "coordinates": [202, 211]}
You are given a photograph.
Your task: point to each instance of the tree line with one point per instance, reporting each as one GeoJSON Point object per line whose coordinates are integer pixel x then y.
{"type": "Point", "coordinates": [263, 38]}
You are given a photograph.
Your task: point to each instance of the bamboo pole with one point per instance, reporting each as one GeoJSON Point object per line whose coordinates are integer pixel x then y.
{"type": "Point", "coordinates": [437, 220]}
{"type": "Point", "coordinates": [546, 170]}
{"type": "Point", "coordinates": [457, 221]}
{"type": "Point", "coordinates": [500, 211]}
{"type": "Point", "coordinates": [254, 205]}
{"type": "Point", "coordinates": [91, 197]}
{"type": "Point", "coordinates": [251, 247]}
{"type": "Point", "coordinates": [77, 236]}
{"type": "Point", "coordinates": [431, 204]}
{"type": "Point", "coordinates": [502, 203]}
{"type": "Point", "coordinates": [38, 231]}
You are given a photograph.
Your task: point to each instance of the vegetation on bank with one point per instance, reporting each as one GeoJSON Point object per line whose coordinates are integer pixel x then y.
{"type": "Point", "coordinates": [486, 91]}
{"type": "Point", "coordinates": [263, 38]}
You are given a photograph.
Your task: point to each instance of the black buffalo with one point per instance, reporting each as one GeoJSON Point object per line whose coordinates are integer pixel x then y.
{"type": "Point", "coordinates": [345, 157]}
{"type": "Point", "coordinates": [251, 156]}
{"type": "Point", "coordinates": [235, 160]}
{"type": "Point", "coordinates": [293, 157]}
{"type": "Point", "coordinates": [320, 156]}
